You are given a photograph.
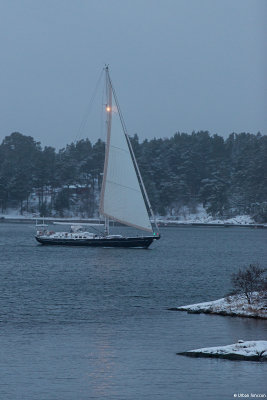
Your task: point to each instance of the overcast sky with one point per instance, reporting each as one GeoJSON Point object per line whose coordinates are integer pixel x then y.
{"type": "Point", "coordinates": [177, 65]}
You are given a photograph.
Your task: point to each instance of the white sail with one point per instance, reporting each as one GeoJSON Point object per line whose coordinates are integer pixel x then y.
{"type": "Point", "coordinates": [121, 195]}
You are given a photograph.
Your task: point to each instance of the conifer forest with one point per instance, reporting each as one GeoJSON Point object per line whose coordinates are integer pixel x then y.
{"type": "Point", "coordinates": [227, 176]}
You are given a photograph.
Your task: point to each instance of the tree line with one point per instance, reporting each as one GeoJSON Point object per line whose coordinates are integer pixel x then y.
{"type": "Point", "coordinates": [227, 176]}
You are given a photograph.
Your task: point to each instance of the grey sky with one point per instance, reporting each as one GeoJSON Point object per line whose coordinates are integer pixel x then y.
{"type": "Point", "coordinates": [176, 65]}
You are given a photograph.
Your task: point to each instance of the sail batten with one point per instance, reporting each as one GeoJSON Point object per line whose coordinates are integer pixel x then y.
{"type": "Point", "coordinates": [121, 195]}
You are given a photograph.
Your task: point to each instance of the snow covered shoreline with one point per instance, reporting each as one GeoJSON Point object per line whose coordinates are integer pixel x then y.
{"type": "Point", "coordinates": [182, 217]}
{"type": "Point", "coordinates": [200, 216]}
{"type": "Point", "coordinates": [255, 350]}
{"type": "Point", "coordinates": [233, 222]}
{"type": "Point", "coordinates": [207, 219]}
{"type": "Point", "coordinates": [179, 218]}
{"type": "Point", "coordinates": [234, 306]}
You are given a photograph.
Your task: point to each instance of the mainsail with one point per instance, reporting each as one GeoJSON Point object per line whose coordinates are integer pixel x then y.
{"type": "Point", "coordinates": [121, 195]}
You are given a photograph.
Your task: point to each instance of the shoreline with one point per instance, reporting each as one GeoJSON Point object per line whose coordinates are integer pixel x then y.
{"type": "Point", "coordinates": [231, 306]}
{"type": "Point", "coordinates": [255, 350]}
{"type": "Point", "coordinates": [167, 224]}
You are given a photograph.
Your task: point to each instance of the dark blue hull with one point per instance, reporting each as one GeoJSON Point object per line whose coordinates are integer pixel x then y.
{"type": "Point", "coordinates": [143, 242]}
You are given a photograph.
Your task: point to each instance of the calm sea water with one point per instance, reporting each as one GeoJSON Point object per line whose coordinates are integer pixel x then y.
{"type": "Point", "coordinates": [88, 323]}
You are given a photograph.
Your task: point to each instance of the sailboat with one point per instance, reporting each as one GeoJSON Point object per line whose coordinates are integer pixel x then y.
{"type": "Point", "coordinates": [123, 197]}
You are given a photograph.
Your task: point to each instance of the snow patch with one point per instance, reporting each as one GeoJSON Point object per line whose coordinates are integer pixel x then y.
{"type": "Point", "coordinates": [255, 350]}
{"type": "Point", "coordinates": [235, 305]}
{"type": "Point", "coordinates": [201, 217]}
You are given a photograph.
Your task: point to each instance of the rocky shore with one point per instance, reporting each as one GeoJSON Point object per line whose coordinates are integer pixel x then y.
{"type": "Point", "coordinates": [234, 306]}
{"type": "Point", "coordinates": [248, 351]}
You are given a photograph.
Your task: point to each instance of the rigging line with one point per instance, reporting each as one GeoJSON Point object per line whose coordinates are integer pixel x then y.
{"type": "Point", "coordinates": [124, 186]}
{"type": "Point", "coordinates": [119, 148]}
{"type": "Point", "coordinates": [87, 112]}
{"type": "Point", "coordinates": [97, 230]}
{"type": "Point", "coordinates": [102, 112]}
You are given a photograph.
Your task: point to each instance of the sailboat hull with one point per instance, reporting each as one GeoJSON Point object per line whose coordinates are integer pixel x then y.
{"type": "Point", "coordinates": [141, 242]}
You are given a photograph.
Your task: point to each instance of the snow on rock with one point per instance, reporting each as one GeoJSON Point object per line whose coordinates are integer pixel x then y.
{"type": "Point", "coordinates": [255, 350]}
{"type": "Point", "coordinates": [235, 305]}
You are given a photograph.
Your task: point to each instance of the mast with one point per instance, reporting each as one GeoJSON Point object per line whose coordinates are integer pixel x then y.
{"type": "Point", "coordinates": [108, 127]}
